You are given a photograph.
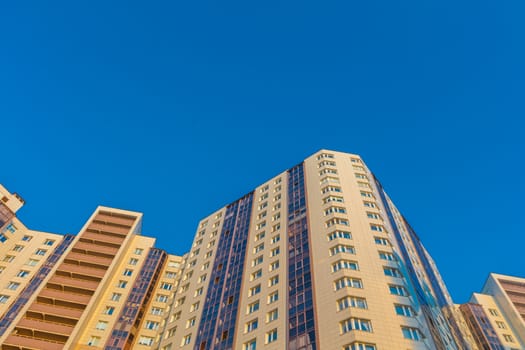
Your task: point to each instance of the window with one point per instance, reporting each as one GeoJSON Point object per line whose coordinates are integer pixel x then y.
{"type": "Point", "coordinates": [251, 345]}
{"type": "Point", "coordinates": [373, 216]}
{"type": "Point", "coordinates": [361, 176]}
{"type": "Point", "coordinates": [330, 199]}
{"type": "Point", "coordinates": [194, 306]}
{"type": "Point", "coordinates": [397, 290]}
{"type": "Point", "coordinates": [109, 310]}
{"type": "Point", "coordinates": [271, 336]}
{"type": "Point", "coordinates": [501, 325]}
{"type": "Point", "coordinates": [170, 274]}
{"type": "Point", "coordinates": [180, 301]}
{"type": "Point", "coordinates": [9, 258]}
{"type": "Point", "coordinates": [32, 262]}
{"type": "Point", "coordinates": [326, 163]}
{"type": "Point", "coordinates": [171, 332]}
{"type": "Point", "coordinates": [4, 298]}
{"type": "Point", "coordinates": [49, 242]}
{"type": "Point", "coordinates": [377, 228]}
{"type": "Point", "coordinates": [387, 256]}
{"type": "Point", "coordinates": [122, 284]}
{"type": "Point", "coordinates": [275, 239]}
{"type": "Point", "coordinates": [327, 171]}
{"type": "Point", "coordinates": [334, 210]}
{"type": "Point", "coordinates": [184, 288]}
{"type": "Point", "coordinates": [116, 296]}
{"type": "Point", "coordinates": [328, 179]}
{"type": "Point", "coordinates": [133, 261]}
{"type": "Point", "coordinates": [276, 217]}
{"type": "Point", "coordinates": [366, 194]}
{"type": "Point", "coordinates": [411, 333]}
{"type": "Point", "coordinates": [342, 248]}
{"type": "Point", "coordinates": [18, 248]}
{"type": "Point", "coordinates": [351, 301]}
{"type": "Point", "coordinates": [363, 184]}
{"type": "Point", "coordinates": [258, 260]}
{"type": "Point", "coordinates": [145, 341]}
{"type": "Point", "coordinates": [381, 241]}
{"type": "Point", "coordinates": [157, 311]}
{"type": "Point", "coordinates": [191, 322]}
{"type": "Point", "coordinates": [27, 238]}
{"type": "Point", "coordinates": [255, 290]}
{"type": "Point", "coordinates": [13, 285]}
{"type": "Point", "coordinates": [198, 242]}
{"type": "Point", "coordinates": [325, 155]}
{"type": "Point", "coordinates": [138, 251]}
{"type": "Point", "coordinates": [392, 272]}
{"type": "Point", "coordinates": [186, 340]}
{"type": "Point", "coordinates": [339, 234]}
{"type": "Point", "coordinates": [277, 207]}
{"type": "Point", "coordinates": [205, 266]}
{"type": "Point", "coordinates": [211, 244]}
{"type": "Point", "coordinates": [161, 298]}
{"type": "Point", "coordinates": [93, 341]}
{"type": "Point", "coordinates": [151, 325]}
{"type": "Point", "coordinates": [208, 255]}
{"type": "Point", "coordinates": [274, 265]}
{"type": "Point", "coordinates": [344, 265]}
{"type": "Point", "coordinates": [369, 204]}
{"type": "Point", "coordinates": [273, 297]}
{"type": "Point", "coordinates": [337, 221]}
{"type": "Point", "coordinates": [40, 252]}
{"type": "Point", "coordinates": [127, 272]}
{"type": "Point", "coordinates": [198, 291]}
{"type": "Point", "coordinates": [273, 281]}
{"type": "Point", "coordinates": [359, 346]}
{"type": "Point", "coordinates": [404, 310]}
{"type": "Point", "coordinates": [201, 279]}
{"type": "Point", "coordinates": [255, 275]}
{"type": "Point", "coordinates": [3, 238]}
{"type": "Point", "coordinates": [275, 252]}
{"type": "Point", "coordinates": [252, 325]}
{"type": "Point", "coordinates": [258, 248]}
{"type": "Point", "coordinates": [263, 205]}
{"type": "Point", "coordinates": [508, 338]}
{"type": "Point", "coordinates": [272, 315]}
{"type": "Point", "coordinates": [348, 282]}
{"type": "Point", "coordinates": [253, 307]}
{"type": "Point", "coordinates": [493, 312]}
{"type": "Point", "coordinates": [166, 286]}
{"type": "Point", "coordinates": [22, 273]}
{"type": "Point", "coordinates": [328, 189]}
{"type": "Point", "coordinates": [276, 227]}
{"type": "Point", "coordinates": [260, 236]}
{"type": "Point", "coordinates": [101, 325]}
{"type": "Point", "coordinates": [356, 324]}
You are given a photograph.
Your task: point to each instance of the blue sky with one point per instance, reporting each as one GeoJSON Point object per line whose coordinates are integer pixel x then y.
{"type": "Point", "coordinates": [175, 109]}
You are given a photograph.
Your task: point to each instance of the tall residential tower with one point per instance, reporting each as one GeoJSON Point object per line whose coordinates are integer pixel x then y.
{"type": "Point", "coordinates": [318, 257]}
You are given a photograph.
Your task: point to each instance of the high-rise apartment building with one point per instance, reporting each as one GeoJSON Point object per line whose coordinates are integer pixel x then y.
{"type": "Point", "coordinates": [496, 316]}
{"type": "Point", "coordinates": [105, 288]}
{"type": "Point", "coordinates": [317, 257]}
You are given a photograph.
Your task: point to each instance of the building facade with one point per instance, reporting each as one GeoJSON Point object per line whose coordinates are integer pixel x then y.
{"type": "Point", "coordinates": [105, 288]}
{"type": "Point", "coordinates": [496, 316]}
{"type": "Point", "coordinates": [317, 257]}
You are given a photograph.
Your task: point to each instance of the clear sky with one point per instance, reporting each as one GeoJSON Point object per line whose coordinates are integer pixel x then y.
{"type": "Point", "coordinates": [176, 108]}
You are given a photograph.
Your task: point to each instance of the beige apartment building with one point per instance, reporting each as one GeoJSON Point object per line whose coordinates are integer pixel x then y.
{"type": "Point", "coordinates": [105, 288]}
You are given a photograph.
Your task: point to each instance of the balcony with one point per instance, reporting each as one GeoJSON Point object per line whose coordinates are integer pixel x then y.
{"type": "Point", "coordinates": [53, 310]}
{"type": "Point", "coordinates": [99, 239]}
{"type": "Point", "coordinates": [76, 270]}
{"type": "Point", "coordinates": [73, 282]}
{"type": "Point", "coordinates": [57, 295]}
{"type": "Point", "coordinates": [96, 249]}
{"type": "Point", "coordinates": [17, 342]}
{"type": "Point", "coordinates": [88, 260]}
